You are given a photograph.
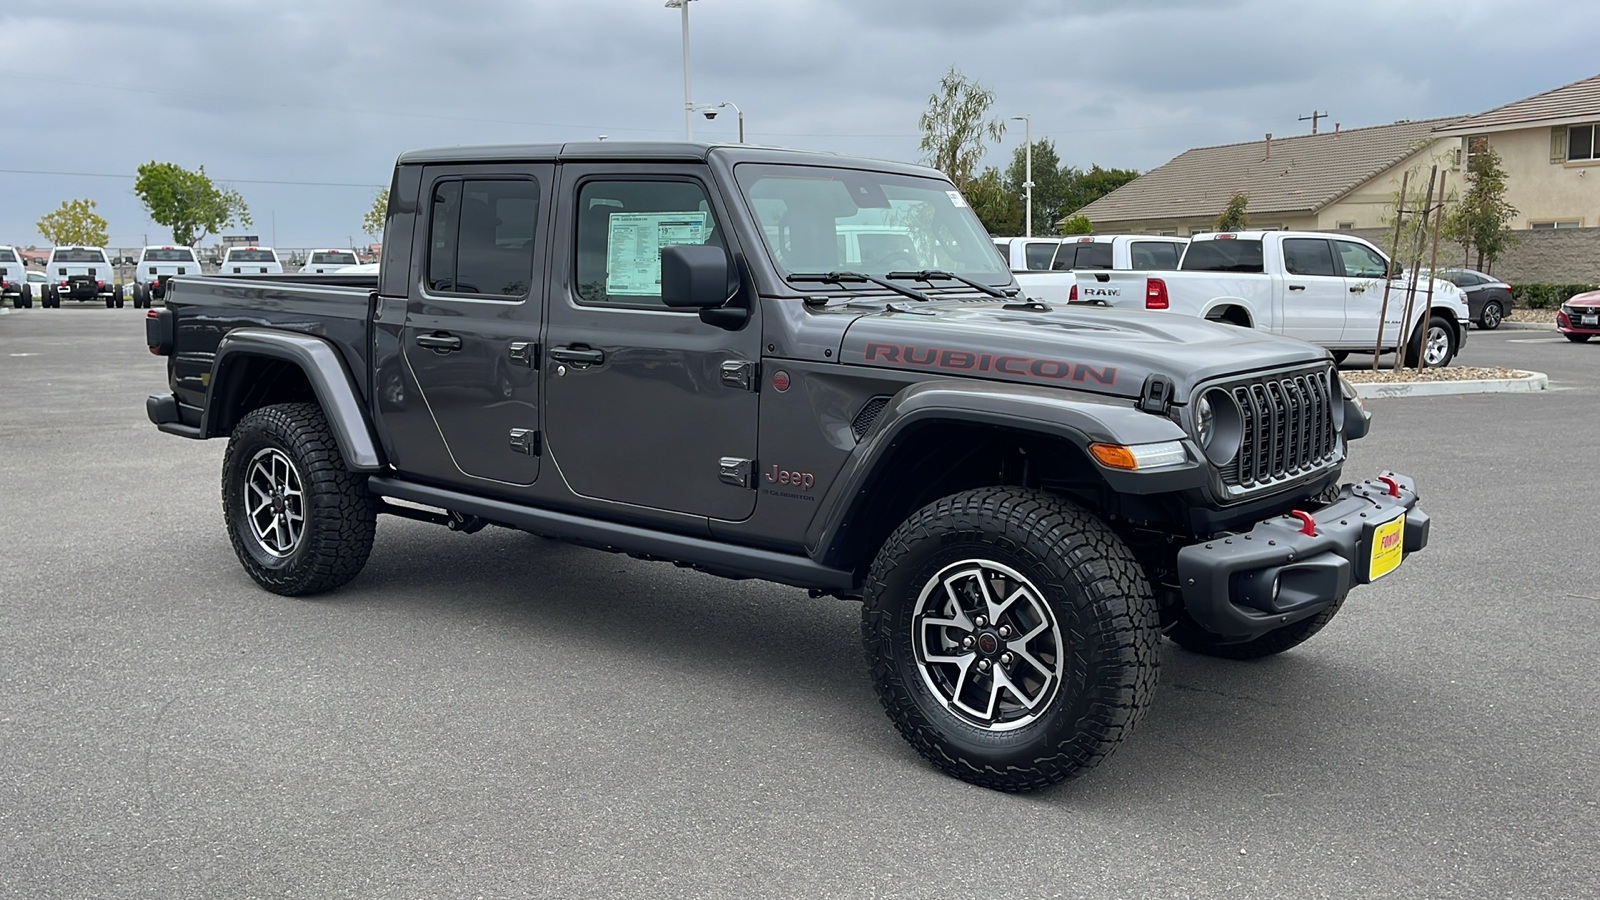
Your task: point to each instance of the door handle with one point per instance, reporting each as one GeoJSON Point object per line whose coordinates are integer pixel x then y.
{"type": "Point", "coordinates": [1297, 287]}
{"type": "Point", "coordinates": [1358, 289]}
{"type": "Point", "coordinates": [439, 343]}
{"type": "Point", "coordinates": [578, 355]}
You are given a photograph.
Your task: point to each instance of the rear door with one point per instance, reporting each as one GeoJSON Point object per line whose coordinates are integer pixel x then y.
{"type": "Point", "coordinates": [1313, 291]}
{"type": "Point", "coordinates": [472, 321]}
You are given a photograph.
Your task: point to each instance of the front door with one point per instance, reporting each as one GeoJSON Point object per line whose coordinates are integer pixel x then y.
{"type": "Point", "coordinates": [469, 343]}
{"type": "Point", "coordinates": [645, 405]}
{"type": "Point", "coordinates": [1313, 291]}
{"type": "Point", "coordinates": [1366, 275]}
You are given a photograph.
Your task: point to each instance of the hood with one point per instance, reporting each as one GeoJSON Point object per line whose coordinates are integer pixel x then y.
{"type": "Point", "coordinates": [1587, 298]}
{"type": "Point", "coordinates": [1088, 348]}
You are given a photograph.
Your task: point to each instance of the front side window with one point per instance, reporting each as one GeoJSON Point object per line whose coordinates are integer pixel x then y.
{"type": "Point", "coordinates": [1160, 255]}
{"type": "Point", "coordinates": [1361, 261]}
{"type": "Point", "coordinates": [1581, 143]}
{"type": "Point", "coordinates": [480, 239]}
{"type": "Point", "coordinates": [916, 223]}
{"type": "Point", "coordinates": [1307, 256]}
{"type": "Point", "coordinates": [622, 226]}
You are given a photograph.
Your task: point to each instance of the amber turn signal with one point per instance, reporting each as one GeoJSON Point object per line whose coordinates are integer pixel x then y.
{"type": "Point", "coordinates": [1114, 456]}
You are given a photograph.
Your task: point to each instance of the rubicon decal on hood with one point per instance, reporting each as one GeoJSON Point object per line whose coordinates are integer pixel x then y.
{"type": "Point", "coordinates": [953, 360]}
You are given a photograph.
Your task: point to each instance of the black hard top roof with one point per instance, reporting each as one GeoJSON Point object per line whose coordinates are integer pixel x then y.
{"type": "Point", "coordinates": [653, 151]}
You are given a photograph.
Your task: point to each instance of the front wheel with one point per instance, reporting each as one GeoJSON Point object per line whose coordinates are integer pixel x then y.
{"type": "Point", "coordinates": [1491, 316]}
{"type": "Point", "coordinates": [1434, 346]}
{"type": "Point", "coordinates": [300, 522]}
{"type": "Point", "coordinates": [1011, 635]}
{"type": "Point", "coordinates": [26, 299]}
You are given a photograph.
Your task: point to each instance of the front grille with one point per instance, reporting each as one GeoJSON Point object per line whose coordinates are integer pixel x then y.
{"type": "Point", "coordinates": [1288, 429]}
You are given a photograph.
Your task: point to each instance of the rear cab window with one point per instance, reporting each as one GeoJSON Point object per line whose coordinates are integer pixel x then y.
{"type": "Point", "coordinates": [1084, 255]}
{"type": "Point", "coordinates": [79, 256]}
{"type": "Point", "coordinates": [1038, 255]}
{"type": "Point", "coordinates": [168, 255]}
{"type": "Point", "coordinates": [1162, 255]}
{"type": "Point", "coordinates": [334, 258]}
{"type": "Point", "coordinates": [1224, 255]}
{"type": "Point", "coordinates": [252, 256]}
{"type": "Point", "coordinates": [6, 256]}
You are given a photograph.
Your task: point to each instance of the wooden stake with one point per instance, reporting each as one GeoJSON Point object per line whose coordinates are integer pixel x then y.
{"type": "Point", "coordinates": [1416, 263]}
{"type": "Point", "coordinates": [1394, 251]}
{"type": "Point", "coordinates": [1433, 260]}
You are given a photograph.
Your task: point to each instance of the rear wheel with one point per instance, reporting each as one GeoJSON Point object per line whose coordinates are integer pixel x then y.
{"type": "Point", "coordinates": [1011, 635]}
{"type": "Point", "coordinates": [300, 522]}
{"type": "Point", "coordinates": [141, 296]}
{"type": "Point", "coordinates": [26, 299]}
{"type": "Point", "coordinates": [1491, 316]}
{"type": "Point", "coordinates": [1578, 338]}
{"type": "Point", "coordinates": [117, 295]}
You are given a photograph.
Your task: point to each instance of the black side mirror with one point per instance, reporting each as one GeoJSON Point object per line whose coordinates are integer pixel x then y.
{"type": "Point", "coordinates": [1396, 270]}
{"type": "Point", "coordinates": [694, 276]}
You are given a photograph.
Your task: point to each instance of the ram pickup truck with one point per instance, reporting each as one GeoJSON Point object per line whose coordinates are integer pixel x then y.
{"type": "Point", "coordinates": [251, 260]}
{"type": "Point", "coordinates": [14, 279]}
{"type": "Point", "coordinates": [1328, 289]}
{"type": "Point", "coordinates": [657, 349]}
{"type": "Point", "coordinates": [324, 261]}
{"type": "Point", "coordinates": [156, 268]}
{"type": "Point", "coordinates": [1099, 252]}
{"type": "Point", "coordinates": [1027, 254]}
{"type": "Point", "coordinates": [80, 273]}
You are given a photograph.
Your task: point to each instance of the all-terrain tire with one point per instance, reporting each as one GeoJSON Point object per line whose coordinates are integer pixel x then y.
{"type": "Point", "coordinates": [1061, 567]}
{"type": "Point", "coordinates": [285, 456]}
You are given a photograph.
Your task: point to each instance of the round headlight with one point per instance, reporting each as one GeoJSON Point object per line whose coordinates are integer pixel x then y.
{"type": "Point", "coordinates": [1205, 422]}
{"type": "Point", "coordinates": [1218, 426]}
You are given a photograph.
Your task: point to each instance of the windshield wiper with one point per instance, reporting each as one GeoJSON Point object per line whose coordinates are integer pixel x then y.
{"type": "Point", "coordinates": [931, 275]}
{"type": "Point", "coordinates": [843, 278]}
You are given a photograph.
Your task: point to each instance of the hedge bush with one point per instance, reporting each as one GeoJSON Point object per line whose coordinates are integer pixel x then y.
{"type": "Point", "coordinates": [1545, 296]}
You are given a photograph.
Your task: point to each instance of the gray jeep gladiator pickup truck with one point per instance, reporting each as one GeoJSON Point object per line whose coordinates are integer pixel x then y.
{"type": "Point", "coordinates": [808, 369]}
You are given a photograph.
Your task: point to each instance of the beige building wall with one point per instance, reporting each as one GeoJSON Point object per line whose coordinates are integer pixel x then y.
{"type": "Point", "coordinates": [1371, 204]}
{"type": "Point", "coordinates": [1541, 190]}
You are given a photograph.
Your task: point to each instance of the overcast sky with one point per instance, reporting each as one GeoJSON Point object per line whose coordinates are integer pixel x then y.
{"type": "Point", "coordinates": [303, 106]}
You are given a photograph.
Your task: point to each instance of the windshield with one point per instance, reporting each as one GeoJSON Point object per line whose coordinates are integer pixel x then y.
{"type": "Point", "coordinates": [333, 259]}
{"type": "Point", "coordinates": [816, 219]}
{"type": "Point", "coordinates": [168, 255]}
{"type": "Point", "coordinates": [78, 256]}
{"type": "Point", "coordinates": [265, 256]}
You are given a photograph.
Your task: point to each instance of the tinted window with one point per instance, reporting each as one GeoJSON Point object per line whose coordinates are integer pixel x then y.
{"type": "Point", "coordinates": [79, 256]}
{"type": "Point", "coordinates": [482, 237]}
{"type": "Point", "coordinates": [1308, 256]}
{"type": "Point", "coordinates": [7, 256]}
{"type": "Point", "coordinates": [1092, 256]}
{"type": "Point", "coordinates": [1361, 261]}
{"type": "Point", "coordinates": [622, 226]}
{"type": "Point", "coordinates": [1223, 256]}
{"type": "Point", "coordinates": [1154, 254]}
{"type": "Point", "coordinates": [1004, 251]}
{"type": "Point", "coordinates": [1038, 255]}
{"type": "Point", "coordinates": [168, 256]}
{"type": "Point", "coordinates": [334, 258]}
{"type": "Point", "coordinates": [1580, 142]}
{"type": "Point", "coordinates": [251, 256]}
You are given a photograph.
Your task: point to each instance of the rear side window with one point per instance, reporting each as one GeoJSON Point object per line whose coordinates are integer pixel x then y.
{"type": "Point", "coordinates": [1037, 255]}
{"type": "Point", "coordinates": [1307, 256]}
{"type": "Point", "coordinates": [482, 234]}
{"type": "Point", "coordinates": [1153, 255]}
{"type": "Point", "coordinates": [168, 256]}
{"type": "Point", "coordinates": [1223, 256]}
{"type": "Point", "coordinates": [622, 226]}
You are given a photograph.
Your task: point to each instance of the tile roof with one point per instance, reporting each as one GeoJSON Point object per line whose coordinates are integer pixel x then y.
{"type": "Point", "coordinates": [1580, 99]}
{"type": "Point", "coordinates": [1303, 173]}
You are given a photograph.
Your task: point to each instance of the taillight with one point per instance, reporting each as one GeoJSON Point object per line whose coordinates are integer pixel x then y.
{"type": "Point", "coordinates": [1074, 295]}
{"type": "Point", "coordinates": [1155, 294]}
{"type": "Point", "coordinates": [99, 284]}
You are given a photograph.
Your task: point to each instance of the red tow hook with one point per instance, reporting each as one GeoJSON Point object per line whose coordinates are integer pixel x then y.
{"type": "Point", "coordinates": [1394, 486]}
{"type": "Point", "coordinates": [1308, 525]}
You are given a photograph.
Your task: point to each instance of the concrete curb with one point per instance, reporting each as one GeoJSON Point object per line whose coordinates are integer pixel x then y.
{"type": "Point", "coordinates": [1529, 326]}
{"type": "Point", "coordinates": [1530, 381]}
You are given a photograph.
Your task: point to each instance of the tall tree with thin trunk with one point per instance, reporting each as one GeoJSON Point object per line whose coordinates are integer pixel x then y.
{"type": "Point", "coordinates": [954, 128]}
{"type": "Point", "coordinates": [1481, 221]}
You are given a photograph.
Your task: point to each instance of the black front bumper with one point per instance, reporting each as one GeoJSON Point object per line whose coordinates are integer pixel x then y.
{"type": "Point", "coordinates": [1244, 585]}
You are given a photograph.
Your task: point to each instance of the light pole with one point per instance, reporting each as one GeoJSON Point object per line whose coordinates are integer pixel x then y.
{"type": "Point", "coordinates": [688, 105]}
{"type": "Point", "coordinates": [1027, 174]}
{"type": "Point", "coordinates": [710, 112]}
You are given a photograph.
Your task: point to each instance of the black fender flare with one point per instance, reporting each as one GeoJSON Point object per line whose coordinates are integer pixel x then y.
{"type": "Point", "coordinates": [1079, 417]}
{"type": "Point", "coordinates": [323, 368]}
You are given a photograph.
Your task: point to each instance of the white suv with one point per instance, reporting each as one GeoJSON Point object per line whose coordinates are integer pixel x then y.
{"type": "Point", "coordinates": [14, 279]}
{"type": "Point", "coordinates": [80, 273]}
{"type": "Point", "coordinates": [329, 261]}
{"type": "Point", "coordinates": [156, 267]}
{"type": "Point", "coordinates": [251, 261]}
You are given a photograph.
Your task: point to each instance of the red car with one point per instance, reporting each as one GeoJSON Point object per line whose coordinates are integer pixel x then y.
{"type": "Point", "coordinates": [1579, 318]}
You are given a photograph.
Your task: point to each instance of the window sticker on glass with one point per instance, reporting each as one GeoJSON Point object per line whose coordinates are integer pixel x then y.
{"type": "Point", "coordinates": [633, 247]}
{"type": "Point", "coordinates": [956, 198]}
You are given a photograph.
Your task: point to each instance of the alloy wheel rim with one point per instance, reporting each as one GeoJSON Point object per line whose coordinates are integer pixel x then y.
{"type": "Point", "coordinates": [1491, 316]}
{"type": "Point", "coordinates": [274, 502]}
{"type": "Point", "coordinates": [987, 645]}
{"type": "Point", "coordinates": [1438, 345]}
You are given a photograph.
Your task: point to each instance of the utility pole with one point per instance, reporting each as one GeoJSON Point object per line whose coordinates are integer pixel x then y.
{"type": "Point", "coordinates": [1313, 119]}
{"type": "Point", "coordinates": [1027, 173]}
{"type": "Point", "coordinates": [688, 105]}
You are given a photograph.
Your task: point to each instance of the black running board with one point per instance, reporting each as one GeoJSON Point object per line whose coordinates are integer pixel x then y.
{"type": "Point", "coordinates": [715, 557]}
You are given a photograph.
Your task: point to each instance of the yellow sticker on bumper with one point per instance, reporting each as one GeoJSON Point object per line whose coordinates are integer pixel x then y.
{"type": "Point", "coordinates": [1388, 546]}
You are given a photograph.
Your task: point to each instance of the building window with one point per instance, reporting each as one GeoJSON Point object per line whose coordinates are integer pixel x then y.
{"type": "Point", "coordinates": [1478, 143]}
{"type": "Point", "coordinates": [1562, 223]}
{"type": "Point", "coordinates": [1581, 143]}
{"type": "Point", "coordinates": [1345, 226]}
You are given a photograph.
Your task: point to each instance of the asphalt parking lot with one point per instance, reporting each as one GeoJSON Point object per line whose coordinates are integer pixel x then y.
{"type": "Point", "coordinates": [500, 716]}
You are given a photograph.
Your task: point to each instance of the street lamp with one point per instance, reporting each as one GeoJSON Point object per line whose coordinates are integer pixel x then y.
{"type": "Point", "coordinates": [710, 112]}
{"type": "Point", "coordinates": [688, 105]}
{"type": "Point", "coordinates": [1027, 174]}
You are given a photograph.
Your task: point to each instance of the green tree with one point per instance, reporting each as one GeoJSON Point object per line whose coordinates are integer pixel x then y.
{"type": "Point", "coordinates": [1090, 186]}
{"type": "Point", "coordinates": [997, 207]}
{"type": "Point", "coordinates": [75, 223]}
{"type": "Point", "coordinates": [188, 202]}
{"type": "Point", "coordinates": [1481, 221]}
{"type": "Point", "coordinates": [372, 220]}
{"type": "Point", "coordinates": [954, 128]}
{"type": "Point", "coordinates": [1052, 183]}
{"type": "Point", "coordinates": [1076, 224]}
{"type": "Point", "coordinates": [1233, 215]}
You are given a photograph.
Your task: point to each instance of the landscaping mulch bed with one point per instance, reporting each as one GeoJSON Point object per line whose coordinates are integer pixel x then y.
{"type": "Point", "coordinates": [1532, 315]}
{"type": "Point", "coordinates": [1448, 373]}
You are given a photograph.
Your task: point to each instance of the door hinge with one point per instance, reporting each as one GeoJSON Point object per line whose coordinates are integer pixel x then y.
{"type": "Point", "coordinates": [525, 440]}
{"type": "Point", "coordinates": [1157, 394]}
{"type": "Point", "coordinates": [741, 374]}
{"type": "Point", "coordinates": [735, 471]}
{"type": "Point", "coordinates": [526, 353]}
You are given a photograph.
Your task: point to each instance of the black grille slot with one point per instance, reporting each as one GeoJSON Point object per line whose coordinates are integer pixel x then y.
{"type": "Point", "coordinates": [1288, 429]}
{"type": "Point", "coordinates": [868, 415]}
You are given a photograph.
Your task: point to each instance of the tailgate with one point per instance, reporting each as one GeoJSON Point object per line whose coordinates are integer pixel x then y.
{"type": "Point", "coordinates": [1112, 288]}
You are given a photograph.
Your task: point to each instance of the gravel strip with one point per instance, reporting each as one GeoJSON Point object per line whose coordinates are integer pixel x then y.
{"type": "Point", "coordinates": [1449, 373]}
{"type": "Point", "coordinates": [1532, 315]}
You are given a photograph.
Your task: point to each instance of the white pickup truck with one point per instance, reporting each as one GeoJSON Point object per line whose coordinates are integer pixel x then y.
{"type": "Point", "coordinates": [1324, 288]}
{"type": "Point", "coordinates": [251, 261]}
{"type": "Point", "coordinates": [156, 267]}
{"type": "Point", "coordinates": [329, 261]}
{"type": "Point", "coordinates": [1099, 252]}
